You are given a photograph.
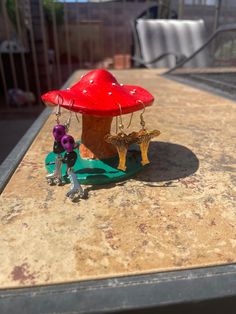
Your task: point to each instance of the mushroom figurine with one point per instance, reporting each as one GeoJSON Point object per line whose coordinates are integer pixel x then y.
{"type": "Point", "coordinates": [99, 97]}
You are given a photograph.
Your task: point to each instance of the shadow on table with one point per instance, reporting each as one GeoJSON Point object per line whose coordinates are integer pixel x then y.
{"type": "Point", "coordinates": [168, 162]}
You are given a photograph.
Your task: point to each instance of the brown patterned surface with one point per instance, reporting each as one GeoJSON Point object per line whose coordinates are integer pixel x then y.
{"type": "Point", "coordinates": [178, 213]}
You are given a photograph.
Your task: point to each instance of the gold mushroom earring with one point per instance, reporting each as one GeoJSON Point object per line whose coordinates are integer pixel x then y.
{"type": "Point", "coordinates": [121, 141]}
{"type": "Point", "coordinates": [143, 138]}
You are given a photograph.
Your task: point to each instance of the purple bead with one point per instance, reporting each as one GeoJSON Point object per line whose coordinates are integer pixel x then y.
{"type": "Point", "coordinates": [58, 132]}
{"type": "Point", "coordinates": [68, 143]}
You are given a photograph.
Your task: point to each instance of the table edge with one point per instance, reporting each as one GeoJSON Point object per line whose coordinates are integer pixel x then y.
{"type": "Point", "coordinates": [145, 292]}
{"type": "Point", "coordinates": [199, 85]}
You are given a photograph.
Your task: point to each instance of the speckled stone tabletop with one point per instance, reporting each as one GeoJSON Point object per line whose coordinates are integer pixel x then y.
{"type": "Point", "coordinates": [178, 213]}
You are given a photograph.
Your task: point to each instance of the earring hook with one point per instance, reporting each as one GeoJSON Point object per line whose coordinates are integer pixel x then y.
{"type": "Point", "coordinates": [116, 124]}
{"type": "Point", "coordinates": [121, 125]}
{"type": "Point", "coordinates": [142, 122]}
{"type": "Point", "coordinates": [60, 101]}
{"type": "Point", "coordinates": [131, 117]}
{"type": "Point", "coordinates": [77, 118]}
{"type": "Point", "coordinates": [67, 124]}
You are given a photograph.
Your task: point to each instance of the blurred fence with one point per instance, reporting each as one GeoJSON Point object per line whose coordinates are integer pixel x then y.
{"type": "Point", "coordinates": [42, 42]}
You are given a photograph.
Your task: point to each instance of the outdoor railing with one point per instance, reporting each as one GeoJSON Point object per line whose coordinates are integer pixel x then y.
{"type": "Point", "coordinates": [43, 42]}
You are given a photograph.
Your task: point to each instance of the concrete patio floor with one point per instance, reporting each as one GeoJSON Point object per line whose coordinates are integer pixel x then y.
{"type": "Point", "coordinates": [11, 131]}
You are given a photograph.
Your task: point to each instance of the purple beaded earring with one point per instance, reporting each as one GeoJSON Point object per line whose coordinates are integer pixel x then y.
{"type": "Point", "coordinates": [70, 157]}
{"type": "Point", "coordinates": [58, 132]}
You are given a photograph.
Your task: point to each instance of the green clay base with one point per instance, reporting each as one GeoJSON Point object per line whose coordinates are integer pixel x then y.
{"type": "Point", "coordinates": [90, 171]}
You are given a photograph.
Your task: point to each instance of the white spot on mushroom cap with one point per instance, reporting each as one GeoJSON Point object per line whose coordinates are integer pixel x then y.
{"type": "Point", "coordinates": [110, 93]}
{"type": "Point", "coordinates": [91, 81]}
{"type": "Point", "coordinates": [84, 91]}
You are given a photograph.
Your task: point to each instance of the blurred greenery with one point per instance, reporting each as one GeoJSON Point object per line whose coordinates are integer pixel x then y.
{"type": "Point", "coordinates": [10, 6]}
{"type": "Point", "coordinates": [49, 7]}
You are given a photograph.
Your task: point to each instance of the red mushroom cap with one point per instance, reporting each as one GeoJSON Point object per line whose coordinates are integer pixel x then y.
{"type": "Point", "coordinates": [98, 93]}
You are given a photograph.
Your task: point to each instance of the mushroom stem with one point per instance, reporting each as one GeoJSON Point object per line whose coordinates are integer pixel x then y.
{"type": "Point", "coordinates": [93, 145]}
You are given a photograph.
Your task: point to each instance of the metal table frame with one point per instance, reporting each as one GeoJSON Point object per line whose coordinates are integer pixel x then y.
{"type": "Point", "coordinates": [146, 292]}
